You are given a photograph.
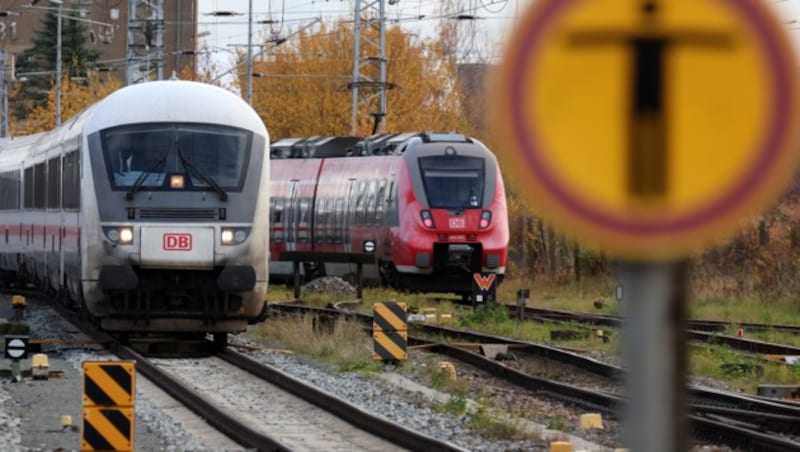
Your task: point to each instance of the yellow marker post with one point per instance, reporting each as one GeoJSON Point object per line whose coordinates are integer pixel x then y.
{"type": "Point", "coordinates": [109, 396]}
{"type": "Point", "coordinates": [649, 129]}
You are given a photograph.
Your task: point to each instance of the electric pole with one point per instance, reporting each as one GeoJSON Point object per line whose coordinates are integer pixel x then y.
{"type": "Point", "coordinates": [368, 85]}
{"type": "Point", "coordinates": [145, 44]}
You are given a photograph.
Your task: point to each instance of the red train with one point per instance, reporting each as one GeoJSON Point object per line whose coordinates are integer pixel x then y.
{"type": "Point", "coordinates": [430, 206]}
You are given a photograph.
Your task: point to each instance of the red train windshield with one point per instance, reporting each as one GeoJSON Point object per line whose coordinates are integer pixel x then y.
{"type": "Point", "coordinates": [453, 182]}
{"type": "Point", "coordinates": [149, 153]}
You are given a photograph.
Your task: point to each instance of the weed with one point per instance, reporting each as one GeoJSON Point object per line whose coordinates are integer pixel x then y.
{"type": "Point", "coordinates": [455, 405]}
{"type": "Point", "coordinates": [344, 345]}
{"type": "Point", "coordinates": [556, 422]}
{"type": "Point", "coordinates": [499, 425]}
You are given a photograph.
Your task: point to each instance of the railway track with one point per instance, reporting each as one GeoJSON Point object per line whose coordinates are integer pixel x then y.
{"type": "Point", "coordinates": [716, 416]}
{"type": "Point", "coordinates": [699, 330]}
{"type": "Point", "coordinates": [368, 431]}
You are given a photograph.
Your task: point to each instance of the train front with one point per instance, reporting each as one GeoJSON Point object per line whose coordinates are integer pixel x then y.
{"type": "Point", "coordinates": [175, 232]}
{"type": "Point", "coordinates": [453, 214]}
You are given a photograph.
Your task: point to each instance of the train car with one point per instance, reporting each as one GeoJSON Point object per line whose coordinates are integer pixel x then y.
{"type": "Point", "coordinates": [430, 206]}
{"type": "Point", "coordinates": [149, 208]}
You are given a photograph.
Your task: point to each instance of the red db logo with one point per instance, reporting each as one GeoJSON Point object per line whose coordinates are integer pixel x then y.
{"type": "Point", "coordinates": [177, 242]}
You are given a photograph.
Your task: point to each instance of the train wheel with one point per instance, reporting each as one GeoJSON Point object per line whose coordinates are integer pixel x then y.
{"type": "Point", "coordinates": [220, 340]}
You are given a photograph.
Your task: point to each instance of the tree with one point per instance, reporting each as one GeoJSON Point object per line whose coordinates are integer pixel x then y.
{"type": "Point", "coordinates": [76, 58]}
{"type": "Point", "coordinates": [303, 89]}
{"type": "Point", "coordinates": [75, 96]}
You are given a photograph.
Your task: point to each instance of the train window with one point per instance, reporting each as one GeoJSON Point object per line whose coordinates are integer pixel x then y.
{"type": "Point", "coordinates": [9, 190]}
{"type": "Point", "coordinates": [277, 217]}
{"type": "Point", "coordinates": [369, 209]}
{"type": "Point", "coordinates": [40, 193]}
{"type": "Point", "coordinates": [380, 199]}
{"type": "Point", "coordinates": [303, 229]}
{"type": "Point", "coordinates": [54, 183]}
{"type": "Point", "coordinates": [339, 229]}
{"type": "Point", "coordinates": [453, 182]}
{"type": "Point", "coordinates": [153, 151]}
{"type": "Point", "coordinates": [71, 180]}
{"type": "Point", "coordinates": [29, 184]}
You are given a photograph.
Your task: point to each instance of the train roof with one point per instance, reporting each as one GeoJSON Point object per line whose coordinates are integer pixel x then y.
{"type": "Point", "coordinates": [349, 146]}
{"type": "Point", "coordinates": [159, 101]}
{"type": "Point", "coordinates": [174, 101]}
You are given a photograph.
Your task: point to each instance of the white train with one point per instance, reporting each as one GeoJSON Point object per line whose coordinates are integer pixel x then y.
{"type": "Point", "coordinates": [149, 207]}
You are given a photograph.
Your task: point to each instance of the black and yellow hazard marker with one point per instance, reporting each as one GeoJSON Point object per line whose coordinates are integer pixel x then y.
{"type": "Point", "coordinates": [390, 331]}
{"type": "Point", "coordinates": [109, 383]}
{"type": "Point", "coordinates": [107, 429]}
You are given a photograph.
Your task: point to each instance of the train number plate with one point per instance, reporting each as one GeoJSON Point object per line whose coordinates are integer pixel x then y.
{"type": "Point", "coordinates": [457, 223]}
{"type": "Point", "coordinates": [177, 242]}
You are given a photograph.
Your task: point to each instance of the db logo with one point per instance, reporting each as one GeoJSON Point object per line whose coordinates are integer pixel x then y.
{"type": "Point", "coordinates": [177, 242]}
{"type": "Point", "coordinates": [457, 223]}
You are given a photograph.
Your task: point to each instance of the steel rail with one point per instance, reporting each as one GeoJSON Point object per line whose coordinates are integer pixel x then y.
{"type": "Point", "coordinates": [342, 409]}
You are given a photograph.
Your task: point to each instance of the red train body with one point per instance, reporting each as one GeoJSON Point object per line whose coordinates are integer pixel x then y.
{"type": "Point", "coordinates": [432, 206]}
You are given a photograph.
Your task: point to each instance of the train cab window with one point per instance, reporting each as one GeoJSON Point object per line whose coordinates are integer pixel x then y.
{"type": "Point", "coordinates": [380, 200]}
{"type": "Point", "coordinates": [453, 182]}
{"type": "Point", "coordinates": [149, 153]}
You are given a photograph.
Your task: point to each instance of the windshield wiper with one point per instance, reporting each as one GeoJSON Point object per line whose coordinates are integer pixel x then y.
{"type": "Point", "coordinates": [137, 184]}
{"type": "Point", "coordinates": [207, 179]}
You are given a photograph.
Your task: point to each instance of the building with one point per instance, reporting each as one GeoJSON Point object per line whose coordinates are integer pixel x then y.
{"type": "Point", "coordinates": [109, 31]}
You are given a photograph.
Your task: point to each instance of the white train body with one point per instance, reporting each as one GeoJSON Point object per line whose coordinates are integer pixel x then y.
{"type": "Point", "coordinates": [149, 207]}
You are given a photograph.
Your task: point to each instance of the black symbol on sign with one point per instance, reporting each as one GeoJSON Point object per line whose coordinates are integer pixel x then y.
{"type": "Point", "coordinates": [648, 146]}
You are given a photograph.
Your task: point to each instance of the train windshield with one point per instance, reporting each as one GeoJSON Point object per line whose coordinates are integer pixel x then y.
{"type": "Point", "coordinates": [453, 182]}
{"type": "Point", "coordinates": [148, 154]}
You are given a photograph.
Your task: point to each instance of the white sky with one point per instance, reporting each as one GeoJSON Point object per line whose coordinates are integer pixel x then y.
{"type": "Point", "coordinates": [495, 19]}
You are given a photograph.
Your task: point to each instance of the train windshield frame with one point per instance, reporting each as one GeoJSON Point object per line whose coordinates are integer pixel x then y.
{"type": "Point", "coordinates": [150, 152]}
{"type": "Point", "coordinates": [453, 182]}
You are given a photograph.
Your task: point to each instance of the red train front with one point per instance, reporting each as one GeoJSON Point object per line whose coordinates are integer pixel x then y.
{"type": "Point", "coordinates": [432, 204]}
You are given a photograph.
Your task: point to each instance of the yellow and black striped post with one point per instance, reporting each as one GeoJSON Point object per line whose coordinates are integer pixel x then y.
{"type": "Point", "coordinates": [109, 396]}
{"type": "Point", "coordinates": [390, 331]}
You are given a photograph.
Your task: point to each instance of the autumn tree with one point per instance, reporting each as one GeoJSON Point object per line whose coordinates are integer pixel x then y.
{"type": "Point", "coordinates": [75, 96]}
{"type": "Point", "coordinates": [302, 88]}
{"type": "Point", "coordinates": [40, 60]}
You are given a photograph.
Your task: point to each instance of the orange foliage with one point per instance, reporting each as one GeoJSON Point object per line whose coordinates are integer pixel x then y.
{"type": "Point", "coordinates": [304, 90]}
{"type": "Point", "coordinates": [75, 96]}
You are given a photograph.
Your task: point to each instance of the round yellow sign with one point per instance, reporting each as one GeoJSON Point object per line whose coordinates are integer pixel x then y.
{"type": "Point", "coordinates": [648, 128]}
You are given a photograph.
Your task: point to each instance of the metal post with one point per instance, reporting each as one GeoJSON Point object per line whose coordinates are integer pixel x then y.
{"type": "Point", "coordinates": [296, 268]}
{"type": "Point", "coordinates": [250, 53]}
{"type": "Point", "coordinates": [4, 61]}
{"type": "Point", "coordinates": [359, 281]}
{"type": "Point", "coordinates": [654, 351]}
{"type": "Point", "coordinates": [356, 63]}
{"type": "Point", "coordinates": [58, 65]}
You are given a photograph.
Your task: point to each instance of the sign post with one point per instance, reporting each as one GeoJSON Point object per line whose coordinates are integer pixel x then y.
{"type": "Point", "coordinates": [613, 114]}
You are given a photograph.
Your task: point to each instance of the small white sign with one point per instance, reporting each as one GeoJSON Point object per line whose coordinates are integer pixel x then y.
{"type": "Point", "coordinates": [16, 348]}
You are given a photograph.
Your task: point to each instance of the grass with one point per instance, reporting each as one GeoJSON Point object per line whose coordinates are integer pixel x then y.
{"type": "Point", "coordinates": [342, 344]}
{"type": "Point", "coordinates": [704, 361]}
{"type": "Point", "coordinates": [741, 371]}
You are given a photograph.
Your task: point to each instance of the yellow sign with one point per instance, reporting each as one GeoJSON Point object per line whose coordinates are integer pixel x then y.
{"type": "Point", "coordinates": [648, 128]}
{"type": "Point", "coordinates": [109, 383]}
{"type": "Point", "coordinates": [107, 429]}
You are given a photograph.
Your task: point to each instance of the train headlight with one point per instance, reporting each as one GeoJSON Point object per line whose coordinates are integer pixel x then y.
{"type": "Point", "coordinates": [369, 246]}
{"type": "Point", "coordinates": [427, 219]}
{"type": "Point", "coordinates": [113, 235]}
{"type": "Point", "coordinates": [227, 236]}
{"type": "Point", "coordinates": [234, 236]}
{"type": "Point", "coordinates": [486, 219]}
{"type": "Point", "coordinates": [126, 235]}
